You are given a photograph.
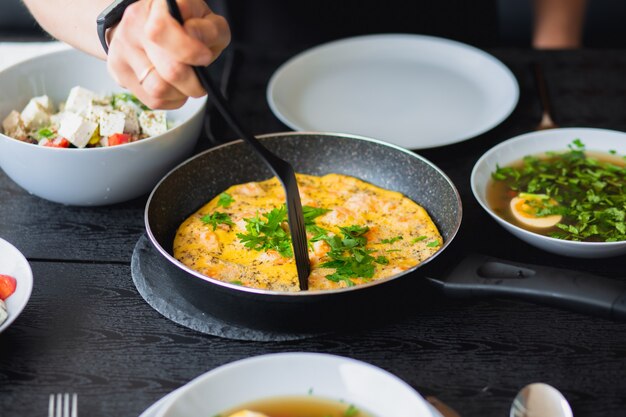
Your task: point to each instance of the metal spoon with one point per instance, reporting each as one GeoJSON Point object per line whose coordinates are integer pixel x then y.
{"type": "Point", "coordinates": [540, 400]}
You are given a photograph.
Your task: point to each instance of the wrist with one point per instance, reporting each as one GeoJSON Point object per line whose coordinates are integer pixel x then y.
{"type": "Point", "coordinates": [108, 35]}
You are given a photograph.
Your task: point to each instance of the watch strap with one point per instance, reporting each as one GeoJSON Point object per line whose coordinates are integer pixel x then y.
{"type": "Point", "coordinates": [109, 18]}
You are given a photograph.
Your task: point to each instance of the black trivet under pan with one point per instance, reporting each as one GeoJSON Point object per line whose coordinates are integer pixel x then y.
{"type": "Point", "coordinates": [148, 264]}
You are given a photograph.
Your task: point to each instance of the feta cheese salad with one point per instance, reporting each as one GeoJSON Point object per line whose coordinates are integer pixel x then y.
{"type": "Point", "coordinates": [85, 120]}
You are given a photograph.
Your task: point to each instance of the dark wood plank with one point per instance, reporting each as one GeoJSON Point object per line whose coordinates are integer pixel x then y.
{"type": "Point", "coordinates": [87, 330]}
{"type": "Point", "coordinates": [44, 230]}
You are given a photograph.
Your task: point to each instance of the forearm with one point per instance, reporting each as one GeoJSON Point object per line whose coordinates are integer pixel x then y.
{"type": "Point", "coordinates": [558, 23]}
{"type": "Point", "coordinates": [71, 21]}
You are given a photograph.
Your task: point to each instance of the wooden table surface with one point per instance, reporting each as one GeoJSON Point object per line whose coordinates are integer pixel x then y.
{"type": "Point", "coordinates": [86, 329]}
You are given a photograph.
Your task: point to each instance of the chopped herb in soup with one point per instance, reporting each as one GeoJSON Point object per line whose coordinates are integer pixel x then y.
{"type": "Point", "coordinates": [573, 195]}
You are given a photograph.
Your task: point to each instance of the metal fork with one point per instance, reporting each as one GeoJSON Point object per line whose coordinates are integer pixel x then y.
{"type": "Point", "coordinates": [282, 169]}
{"type": "Point", "coordinates": [60, 405]}
{"type": "Point", "coordinates": [546, 116]}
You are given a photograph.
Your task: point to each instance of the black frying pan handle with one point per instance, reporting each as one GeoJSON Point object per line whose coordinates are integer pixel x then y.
{"type": "Point", "coordinates": [572, 290]}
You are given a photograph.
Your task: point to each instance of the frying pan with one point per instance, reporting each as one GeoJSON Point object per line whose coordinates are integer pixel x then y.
{"type": "Point", "coordinates": [199, 179]}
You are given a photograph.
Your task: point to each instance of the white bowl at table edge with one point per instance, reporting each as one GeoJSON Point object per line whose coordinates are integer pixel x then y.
{"type": "Point", "coordinates": [284, 374]}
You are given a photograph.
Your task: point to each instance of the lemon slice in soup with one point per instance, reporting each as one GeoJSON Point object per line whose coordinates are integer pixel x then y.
{"type": "Point", "coordinates": [525, 207]}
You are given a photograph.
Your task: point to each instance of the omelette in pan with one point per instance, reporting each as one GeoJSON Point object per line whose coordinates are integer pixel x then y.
{"type": "Point", "coordinates": [357, 233]}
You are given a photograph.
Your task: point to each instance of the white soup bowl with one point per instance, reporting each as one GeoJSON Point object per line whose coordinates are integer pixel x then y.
{"type": "Point", "coordinates": [367, 387]}
{"type": "Point", "coordinates": [536, 143]}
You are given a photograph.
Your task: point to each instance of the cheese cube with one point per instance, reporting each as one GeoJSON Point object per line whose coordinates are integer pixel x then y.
{"type": "Point", "coordinates": [79, 99]}
{"type": "Point", "coordinates": [131, 123]}
{"type": "Point", "coordinates": [12, 122]}
{"type": "Point", "coordinates": [36, 114]}
{"type": "Point", "coordinates": [13, 126]}
{"type": "Point", "coordinates": [76, 129]}
{"type": "Point", "coordinates": [153, 122]}
{"type": "Point", "coordinates": [56, 119]}
{"type": "Point", "coordinates": [95, 111]}
{"type": "Point", "coordinates": [112, 122]}
{"type": "Point", "coordinates": [45, 102]}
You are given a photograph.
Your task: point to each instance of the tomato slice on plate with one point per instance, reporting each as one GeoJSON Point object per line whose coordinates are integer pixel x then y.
{"type": "Point", "coordinates": [7, 286]}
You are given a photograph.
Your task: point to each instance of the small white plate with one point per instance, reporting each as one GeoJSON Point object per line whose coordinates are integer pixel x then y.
{"type": "Point", "coordinates": [13, 263]}
{"type": "Point", "coordinates": [410, 90]}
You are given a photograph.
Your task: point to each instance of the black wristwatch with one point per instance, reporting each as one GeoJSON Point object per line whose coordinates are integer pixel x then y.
{"type": "Point", "coordinates": [110, 17]}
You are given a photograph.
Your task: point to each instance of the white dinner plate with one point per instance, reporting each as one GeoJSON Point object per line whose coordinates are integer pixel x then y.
{"type": "Point", "coordinates": [413, 91]}
{"type": "Point", "coordinates": [13, 263]}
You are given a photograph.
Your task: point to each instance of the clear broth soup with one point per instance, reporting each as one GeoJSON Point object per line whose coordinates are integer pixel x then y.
{"type": "Point", "coordinates": [301, 406]}
{"type": "Point", "coordinates": [499, 194]}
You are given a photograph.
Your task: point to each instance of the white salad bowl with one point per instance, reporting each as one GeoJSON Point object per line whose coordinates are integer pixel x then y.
{"type": "Point", "coordinates": [535, 143]}
{"type": "Point", "coordinates": [94, 176]}
{"type": "Point", "coordinates": [365, 386]}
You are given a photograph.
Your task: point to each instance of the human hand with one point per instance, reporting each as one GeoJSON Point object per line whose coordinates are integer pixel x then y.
{"type": "Point", "coordinates": [151, 54]}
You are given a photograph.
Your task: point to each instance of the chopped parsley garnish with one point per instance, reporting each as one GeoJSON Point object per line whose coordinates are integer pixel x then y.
{"type": "Point", "coordinates": [310, 214]}
{"type": "Point", "coordinates": [236, 282]}
{"type": "Point", "coordinates": [352, 411]}
{"type": "Point", "coordinates": [271, 231]}
{"type": "Point", "coordinates": [319, 233]}
{"type": "Point", "coordinates": [267, 232]}
{"type": "Point", "coordinates": [350, 257]}
{"type": "Point", "coordinates": [348, 254]}
{"type": "Point", "coordinates": [590, 193]}
{"type": "Point", "coordinates": [392, 240]}
{"type": "Point", "coordinates": [225, 200]}
{"type": "Point", "coordinates": [216, 218]}
{"type": "Point", "coordinates": [418, 239]}
{"type": "Point", "coordinates": [433, 244]}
